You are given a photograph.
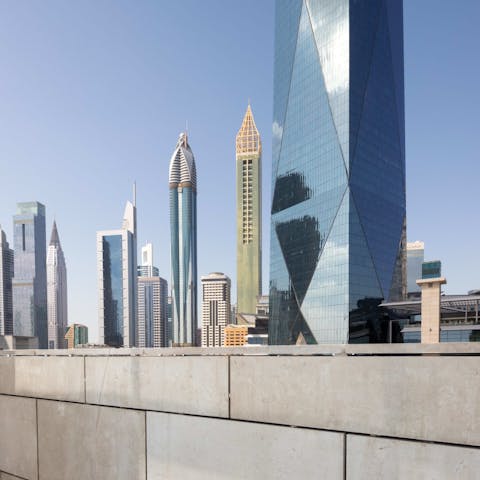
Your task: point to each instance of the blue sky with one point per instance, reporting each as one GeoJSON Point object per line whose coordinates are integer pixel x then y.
{"type": "Point", "coordinates": [94, 94]}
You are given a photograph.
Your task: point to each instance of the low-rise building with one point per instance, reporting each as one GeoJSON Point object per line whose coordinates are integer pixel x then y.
{"type": "Point", "coordinates": [76, 335]}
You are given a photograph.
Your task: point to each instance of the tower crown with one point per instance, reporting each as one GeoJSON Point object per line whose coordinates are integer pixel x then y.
{"type": "Point", "coordinates": [55, 239]}
{"type": "Point", "coordinates": [248, 138]}
{"type": "Point", "coordinates": [182, 165]}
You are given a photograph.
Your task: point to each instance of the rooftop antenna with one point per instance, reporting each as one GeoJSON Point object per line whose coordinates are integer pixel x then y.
{"type": "Point", "coordinates": [134, 193]}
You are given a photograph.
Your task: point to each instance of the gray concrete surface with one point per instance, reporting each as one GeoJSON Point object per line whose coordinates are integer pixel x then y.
{"type": "Point", "coordinates": [194, 385]}
{"type": "Point", "coordinates": [53, 377]}
{"type": "Point", "coordinates": [233, 412]}
{"type": "Point", "coordinates": [18, 436]}
{"type": "Point", "coordinates": [194, 448]}
{"type": "Point", "coordinates": [7, 476]}
{"type": "Point", "coordinates": [408, 397]}
{"type": "Point", "coordinates": [85, 442]}
{"type": "Point", "coordinates": [381, 458]}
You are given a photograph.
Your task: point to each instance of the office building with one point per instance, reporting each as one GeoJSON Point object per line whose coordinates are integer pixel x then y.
{"type": "Point", "coordinates": [415, 258]}
{"type": "Point", "coordinates": [338, 207]}
{"type": "Point", "coordinates": [152, 303]}
{"type": "Point", "coordinates": [183, 229]}
{"type": "Point", "coordinates": [6, 274]}
{"type": "Point", "coordinates": [76, 335]}
{"type": "Point", "coordinates": [30, 275]}
{"type": "Point", "coordinates": [249, 214]}
{"type": "Point", "coordinates": [216, 309]}
{"type": "Point", "coordinates": [117, 281]}
{"type": "Point", "coordinates": [152, 312]}
{"type": "Point", "coordinates": [57, 310]}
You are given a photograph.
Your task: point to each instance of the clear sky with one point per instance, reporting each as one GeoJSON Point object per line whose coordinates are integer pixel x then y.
{"type": "Point", "coordinates": [94, 94]}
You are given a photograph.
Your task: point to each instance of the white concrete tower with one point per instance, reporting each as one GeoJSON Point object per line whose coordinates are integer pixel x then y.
{"type": "Point", "coordinates": [56, 292]}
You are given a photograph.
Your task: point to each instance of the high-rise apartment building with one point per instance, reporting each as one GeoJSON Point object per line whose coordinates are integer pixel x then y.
{"type": "Point", "coordinates": [151, 303]}
{"type": "Point", "coordinates": [338, 207]}
{"type": "Point", "coordinates": [216, 309]}
{"type": "Point", "coordinates": [249, 214]}
{"type": "Point", "coordinates": [117, 281]}
{"type": "Point", "coordinates": [183, 228]}
{"type": "Point", "coordinates": [415, 258]}
{"type": "Point", "coordinates": [30, 276]}
{"type": "Point", "coordinates": [152, 312]}
{"type": "Point", "coordinates": [57, 309]}
{"type": "Point", "coordinates": [6, 274]}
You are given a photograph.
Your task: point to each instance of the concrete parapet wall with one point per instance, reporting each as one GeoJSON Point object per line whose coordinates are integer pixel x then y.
{"type": "Point", "coordinates": [407, 411]}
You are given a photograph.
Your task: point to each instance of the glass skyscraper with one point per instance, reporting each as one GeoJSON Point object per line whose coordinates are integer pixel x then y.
{"type": "Point", "coordinates": [151, 303]}
{"type": "Point", "coordinates": [183, 229]}
{"type": "Point", "coordinates": [117, 281]}
{"type": "Point", "coordinates": [30, 272]}
{"type": "Point", "coordinates": [6, 274]}
{"type": "Point", "coordinates": [338, 206]}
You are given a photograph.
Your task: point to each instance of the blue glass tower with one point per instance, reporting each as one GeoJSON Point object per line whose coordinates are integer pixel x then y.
{"type": "Point", "coordinates": [338, 206]}
{"type": "Point", "coordinates": [30, 272]}
{"type": "Point", "coordinates": [183, 227]}
{"type": "Point", "coordinates": [117, 281]}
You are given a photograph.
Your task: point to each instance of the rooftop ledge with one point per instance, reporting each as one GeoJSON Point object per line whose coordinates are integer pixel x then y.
{"type": "Point", "coordinates": [450, 348]}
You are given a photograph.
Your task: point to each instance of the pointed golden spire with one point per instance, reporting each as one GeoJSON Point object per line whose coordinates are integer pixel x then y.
{"type": "Point", "coordinates": [248, 138]}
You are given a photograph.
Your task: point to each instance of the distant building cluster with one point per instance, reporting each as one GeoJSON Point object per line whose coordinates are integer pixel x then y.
{"type": "Point", "coordinates": [33, 283]}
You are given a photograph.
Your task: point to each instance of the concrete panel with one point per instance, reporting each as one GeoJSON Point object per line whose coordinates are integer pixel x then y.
{"type": "Point", "coordinates": [18, 436]}
{"type": "Point", "coordinates": [7, 476]}
{"type": "Point", "coordinates": [58, 378]}
{"type": "Point", "coordinates": [195, 448]}
{"type": "Point", "coordinates": [195, 385]}
{"type": "Point", "coordinates": [406, 397]}
{"type": "Point", "coordinates": [370, 457]}
{"type": "Point", "coordinates": [88, 442]}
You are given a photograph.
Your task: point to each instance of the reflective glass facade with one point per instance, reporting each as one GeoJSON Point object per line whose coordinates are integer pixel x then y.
{"type": "Point", "coordinates": [6, 274]}
{"type": "Point", "coordinates": [338, 205]}
{"type": "Point", "coordinates": [113, 289]}
{"type": "Point", "coordinates": [117, 287]}
{"type": "Point", "coordinates": [183, 230]}
{"type": "Point", "coordinates": [415, 258]}
{"type": "Point", "coordinates": [30, 272]}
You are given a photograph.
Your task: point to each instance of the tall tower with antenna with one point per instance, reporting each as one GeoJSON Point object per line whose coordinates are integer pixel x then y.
{"type": "Point", "coordinates": [249, 214]}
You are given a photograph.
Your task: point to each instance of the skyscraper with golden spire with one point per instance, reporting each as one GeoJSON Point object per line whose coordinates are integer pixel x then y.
{"type": "Point", "coordinates": [249, 214]}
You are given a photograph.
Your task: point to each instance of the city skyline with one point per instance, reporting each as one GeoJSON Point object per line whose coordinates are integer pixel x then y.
{"type": "Point", "coordinates": [91, 155]}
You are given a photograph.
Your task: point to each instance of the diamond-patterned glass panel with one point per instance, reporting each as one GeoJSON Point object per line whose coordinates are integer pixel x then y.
{"type": "Point", "coordinates": [330, 23]}
{"type": "Point", "coordinates": [338, 187]}
{"type": "Point", "coordinates": [287, 17]}
{"type": "Point", "coordinates": [376, 179]}
{"type": "Point", "coordinates": [326, 304]}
